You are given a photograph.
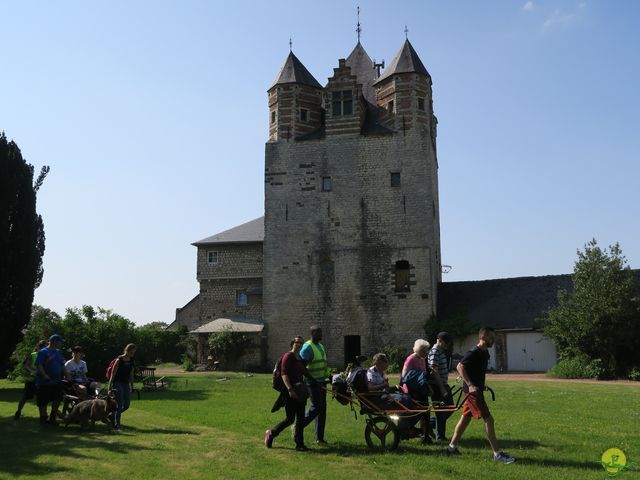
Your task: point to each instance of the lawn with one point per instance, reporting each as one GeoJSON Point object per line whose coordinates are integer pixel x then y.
{"type": "Point", "coordinates": [204, 427]}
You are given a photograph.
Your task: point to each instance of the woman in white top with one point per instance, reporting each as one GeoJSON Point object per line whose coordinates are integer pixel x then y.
{"type": "Point", "coordinates": [77, 370]}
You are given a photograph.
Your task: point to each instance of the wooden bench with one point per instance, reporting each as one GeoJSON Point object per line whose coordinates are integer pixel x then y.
{"type": "Point", "coordinates": [147, 376]}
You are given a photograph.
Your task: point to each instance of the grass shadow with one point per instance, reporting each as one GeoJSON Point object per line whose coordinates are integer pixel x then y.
{"type": "Point", "coordinates": [168, 394]}
{"type": "Point", "coordinates": [11, 395]}
{"type": "Point", "coordinates": [506, 443]}
{"type": "Point", "coordinates": [163, 431]}
{"type": "Point", "coordinates": [23, 442]}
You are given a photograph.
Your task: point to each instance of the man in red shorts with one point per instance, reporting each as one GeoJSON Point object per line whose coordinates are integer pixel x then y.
{"type": "Point", "coordinates": [473, 369]}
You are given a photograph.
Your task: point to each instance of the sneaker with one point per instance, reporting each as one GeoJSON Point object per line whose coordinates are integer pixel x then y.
{"type": "Point", "coordinates": [302, 448]}
{"type": "Point", "coordinates": [321, 442]}
{"type": "Point", "coordinates": [503, 457]}
{"type": "Point", "coordinates": [268, 439]}
{"type": "Point", "coordinates": [453, 451]}
{"type": "Point", "coordinates": [426, 440]}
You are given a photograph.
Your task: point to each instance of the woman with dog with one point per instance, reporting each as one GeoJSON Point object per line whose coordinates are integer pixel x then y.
{"type": "Point", "coordinates": [121, 382]}
{"type": "Point", "coordinates": [292, 371]}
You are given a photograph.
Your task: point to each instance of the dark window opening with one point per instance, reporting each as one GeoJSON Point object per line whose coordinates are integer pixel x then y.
{"type": "Point", "coordinates": [212, 258]}
{"type": "Point", "coordinates": [395, 179]}
{"type": "Point", "coordinates": [390, 107]}
{"type": "Point", "coordinates": [351, 348]}
{"type": "Point", "coordinates": [273, 117]}
{"type": "Point", "coordinates": [342, 103]}
{"type": "Point", "coordinates": [402, 276]}
{"type": "Point", "coordinates": [421, 104]}
{"type": "Point", "coordinates": [303, 114]}
{"type": "Point", "coordinates": [327, 184]}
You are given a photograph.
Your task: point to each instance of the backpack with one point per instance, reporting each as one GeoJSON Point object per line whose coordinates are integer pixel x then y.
{"type": "Point", "coordinates": [109, 370]}
{"type": "Point", "coordinates": [340, 389]}
{"type": "Point", "coordinates": [276, 382]}
{"type": "Point", "coordinates": [417, 383]}
{"type": "Point", "coordinates": [357, 380]}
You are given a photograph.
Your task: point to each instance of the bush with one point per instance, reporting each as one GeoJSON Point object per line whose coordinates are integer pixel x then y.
{"type": "Point", "coordinates": [634, 374]}
{"type": "Point", "coordinates": [187, 363]}
{"type": "Point", "coordinates": [228, 345]}
{"type": "Point", "coordinates": [578, 367]}
{"type": "Point", "coordinates": [396, 356]}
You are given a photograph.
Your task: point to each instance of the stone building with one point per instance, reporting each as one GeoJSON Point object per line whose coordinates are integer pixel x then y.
{"type": "Point", "coordinates": [350, 239]}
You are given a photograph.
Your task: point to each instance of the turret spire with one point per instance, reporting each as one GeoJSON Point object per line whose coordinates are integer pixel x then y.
{"type": "Point", "coordinates": [358, 28]}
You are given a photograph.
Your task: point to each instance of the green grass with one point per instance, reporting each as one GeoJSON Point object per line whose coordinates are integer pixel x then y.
{"type": "Point", "coordinates": [202, 428]}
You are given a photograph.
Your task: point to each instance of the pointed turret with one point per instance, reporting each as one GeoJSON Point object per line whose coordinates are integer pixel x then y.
{"type": "Point", "coordinates": [403, 92]}
{"type": "Point", "coordinates": [293, 71]}
{"type": "Point", "coordinates": [295, 101]}
{"type": "Point", "coordinates": [405, 61]}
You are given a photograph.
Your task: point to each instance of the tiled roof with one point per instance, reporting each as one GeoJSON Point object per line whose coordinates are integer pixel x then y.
{"type": "Point", "coordinates": [293, 71]}
{"type": "Point", "coordinates": [405, 61]}
{"type": "Point", "coordinates": [252, 231]}
{"type": "Point", "coordinates": [505, 303]}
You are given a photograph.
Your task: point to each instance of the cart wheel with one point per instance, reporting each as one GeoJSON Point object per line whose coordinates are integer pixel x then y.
{"type": "Point", "coordinates": [381, 434]}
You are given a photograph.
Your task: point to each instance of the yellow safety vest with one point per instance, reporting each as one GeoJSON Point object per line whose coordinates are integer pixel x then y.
{"type": "Point", "coordinates": [318, 366]}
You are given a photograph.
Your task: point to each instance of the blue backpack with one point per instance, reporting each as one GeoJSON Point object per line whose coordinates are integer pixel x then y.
{"type": "Point", "coordinates": [417, 383]}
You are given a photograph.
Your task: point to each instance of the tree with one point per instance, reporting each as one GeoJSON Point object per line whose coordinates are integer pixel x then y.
{"type": "Point", "coordinates": [600, 318]}
{"type": "Point", "coordinates": [21, 245]}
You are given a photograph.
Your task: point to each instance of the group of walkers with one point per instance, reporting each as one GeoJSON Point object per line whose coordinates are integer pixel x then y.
{"type": "Point", "coordinates": [304, 373]}
{"type": "Point", "coordinates": [47, 374]}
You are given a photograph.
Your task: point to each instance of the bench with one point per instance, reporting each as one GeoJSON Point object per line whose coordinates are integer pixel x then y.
{"type": "Point", "coordinates": [147, 376]}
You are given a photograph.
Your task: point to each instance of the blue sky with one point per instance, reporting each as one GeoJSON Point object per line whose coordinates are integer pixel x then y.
{"type": "Point", "coordinates": [153, 117]}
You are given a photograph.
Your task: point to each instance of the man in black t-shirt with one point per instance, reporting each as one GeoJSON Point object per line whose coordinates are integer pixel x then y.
{"type": "Point", "coordinates": [473, 369]}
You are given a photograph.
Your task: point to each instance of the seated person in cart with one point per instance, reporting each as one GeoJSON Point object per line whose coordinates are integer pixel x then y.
{"type": "Point", "coordinates": [377, 379]}
{"type": "Point", "coordinates": [76, 369]}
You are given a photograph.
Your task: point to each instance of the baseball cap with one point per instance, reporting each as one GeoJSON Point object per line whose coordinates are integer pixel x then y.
{"type": "Point", "coordinates": [445, 337]}
{"type": "Point", "coordinates": [56, 337]}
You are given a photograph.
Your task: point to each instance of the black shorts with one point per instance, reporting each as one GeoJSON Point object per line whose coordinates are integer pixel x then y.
{"type": "Point", "coordinates": [30, 390]}
{"type": "Point", "coordinates": [48, 394]}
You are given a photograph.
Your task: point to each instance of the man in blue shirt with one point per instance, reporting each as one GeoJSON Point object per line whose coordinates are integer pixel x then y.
{"type": "Point", "coordinates": [50, 366]}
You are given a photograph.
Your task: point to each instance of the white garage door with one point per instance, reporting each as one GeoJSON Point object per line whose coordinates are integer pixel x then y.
{"type": "Point", "coordinates": [530, 352]}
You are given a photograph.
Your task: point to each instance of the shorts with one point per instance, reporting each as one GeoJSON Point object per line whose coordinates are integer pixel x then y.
{"type": "Point", "coordinates": [475, 406]}
{"type": "Point", "coordinates": [49, 393]}
{"type": "Point", "coordinates": [30, 390]}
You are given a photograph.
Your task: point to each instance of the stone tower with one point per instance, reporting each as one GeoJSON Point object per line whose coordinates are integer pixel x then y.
{"type": "Point", "coordinates": [352, 236]}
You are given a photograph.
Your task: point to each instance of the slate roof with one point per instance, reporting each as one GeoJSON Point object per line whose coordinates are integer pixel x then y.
{"type": "Point", "coordinates": [249, 232]}
{"type": "Point", "coordinates": [505, 303]}
{"type": "Point", "coordinates": [405, 61]}
{"type": "Point", "coordinates": [293, 71]}
{"type": "Point", "coordinates": [362, 67]}
{"type": "Point", "coordinates": [236, 323]}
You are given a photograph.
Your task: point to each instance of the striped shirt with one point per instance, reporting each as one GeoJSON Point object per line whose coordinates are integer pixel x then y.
{"type": "Point", "coordinates": [438, 362]}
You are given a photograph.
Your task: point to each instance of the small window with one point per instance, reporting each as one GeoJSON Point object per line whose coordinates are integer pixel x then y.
{"type": "Point", "coordinates": [342, 103]}
{"type": "Point", "coordinates": [390, 109]}
{"type": "Point", "coordinates": [421, 104]}
{"type": "Point", "coordinates": [304, 113]}
{"type": "Point", "coordinates": [242, 300]}
{"type": "Point", "coordinates": [327, 184]}
{"type": "Point", "coordinates": [395, 179]}
{"type": "Point", "coordinates": [212, 258]}
{"type": "Point", "coordinates": [402, 276]}
{"type": "Point", "coordinates": [273, 117]}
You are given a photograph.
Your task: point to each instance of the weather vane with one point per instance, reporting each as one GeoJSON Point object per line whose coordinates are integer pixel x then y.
{"type": "Point", "coordinates": [290, 45]}
{"type": "Point", "coordinates": [358, 29]}
{"type": "Point", "coordinates": [406, 32]}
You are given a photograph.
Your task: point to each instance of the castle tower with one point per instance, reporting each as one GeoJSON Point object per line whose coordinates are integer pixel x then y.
{"type": "Point", "coordinates": [352, 240]}
{"type": "Point", "coordinates": [295, 101]}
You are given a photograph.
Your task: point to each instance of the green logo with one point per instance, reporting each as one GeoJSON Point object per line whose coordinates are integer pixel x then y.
{"type": "Point", "coordinates": [614, 461]}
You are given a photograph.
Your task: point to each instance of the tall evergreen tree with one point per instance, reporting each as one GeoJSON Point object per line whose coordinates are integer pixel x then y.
{"type": "Point", "coordinates": [21, 245]}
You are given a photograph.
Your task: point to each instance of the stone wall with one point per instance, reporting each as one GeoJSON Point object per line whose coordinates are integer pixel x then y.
{"type": "Point", "coordinates": [330, 256]}
{"type": "Point", "coordinates": [188, 316]}
{"type": "Point", "coordinates": [235, 260]}
{"type": "Point", "coordinates": [218, 298]}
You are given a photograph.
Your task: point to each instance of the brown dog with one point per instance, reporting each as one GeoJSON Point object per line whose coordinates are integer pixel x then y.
{"type": "Point", "coordinates": [97, 409]}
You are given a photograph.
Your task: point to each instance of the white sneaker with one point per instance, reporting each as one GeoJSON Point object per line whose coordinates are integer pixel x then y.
{"type": "Point", "coordinates": [500, 456]}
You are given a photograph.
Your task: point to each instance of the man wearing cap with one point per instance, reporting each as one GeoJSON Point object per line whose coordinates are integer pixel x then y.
{"type": "Point", "coordinates": [50, 366]}
{"type": "Point", "coordinates": [314, 354]}
{"type": "Point", "coordinates": [439, 364]}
